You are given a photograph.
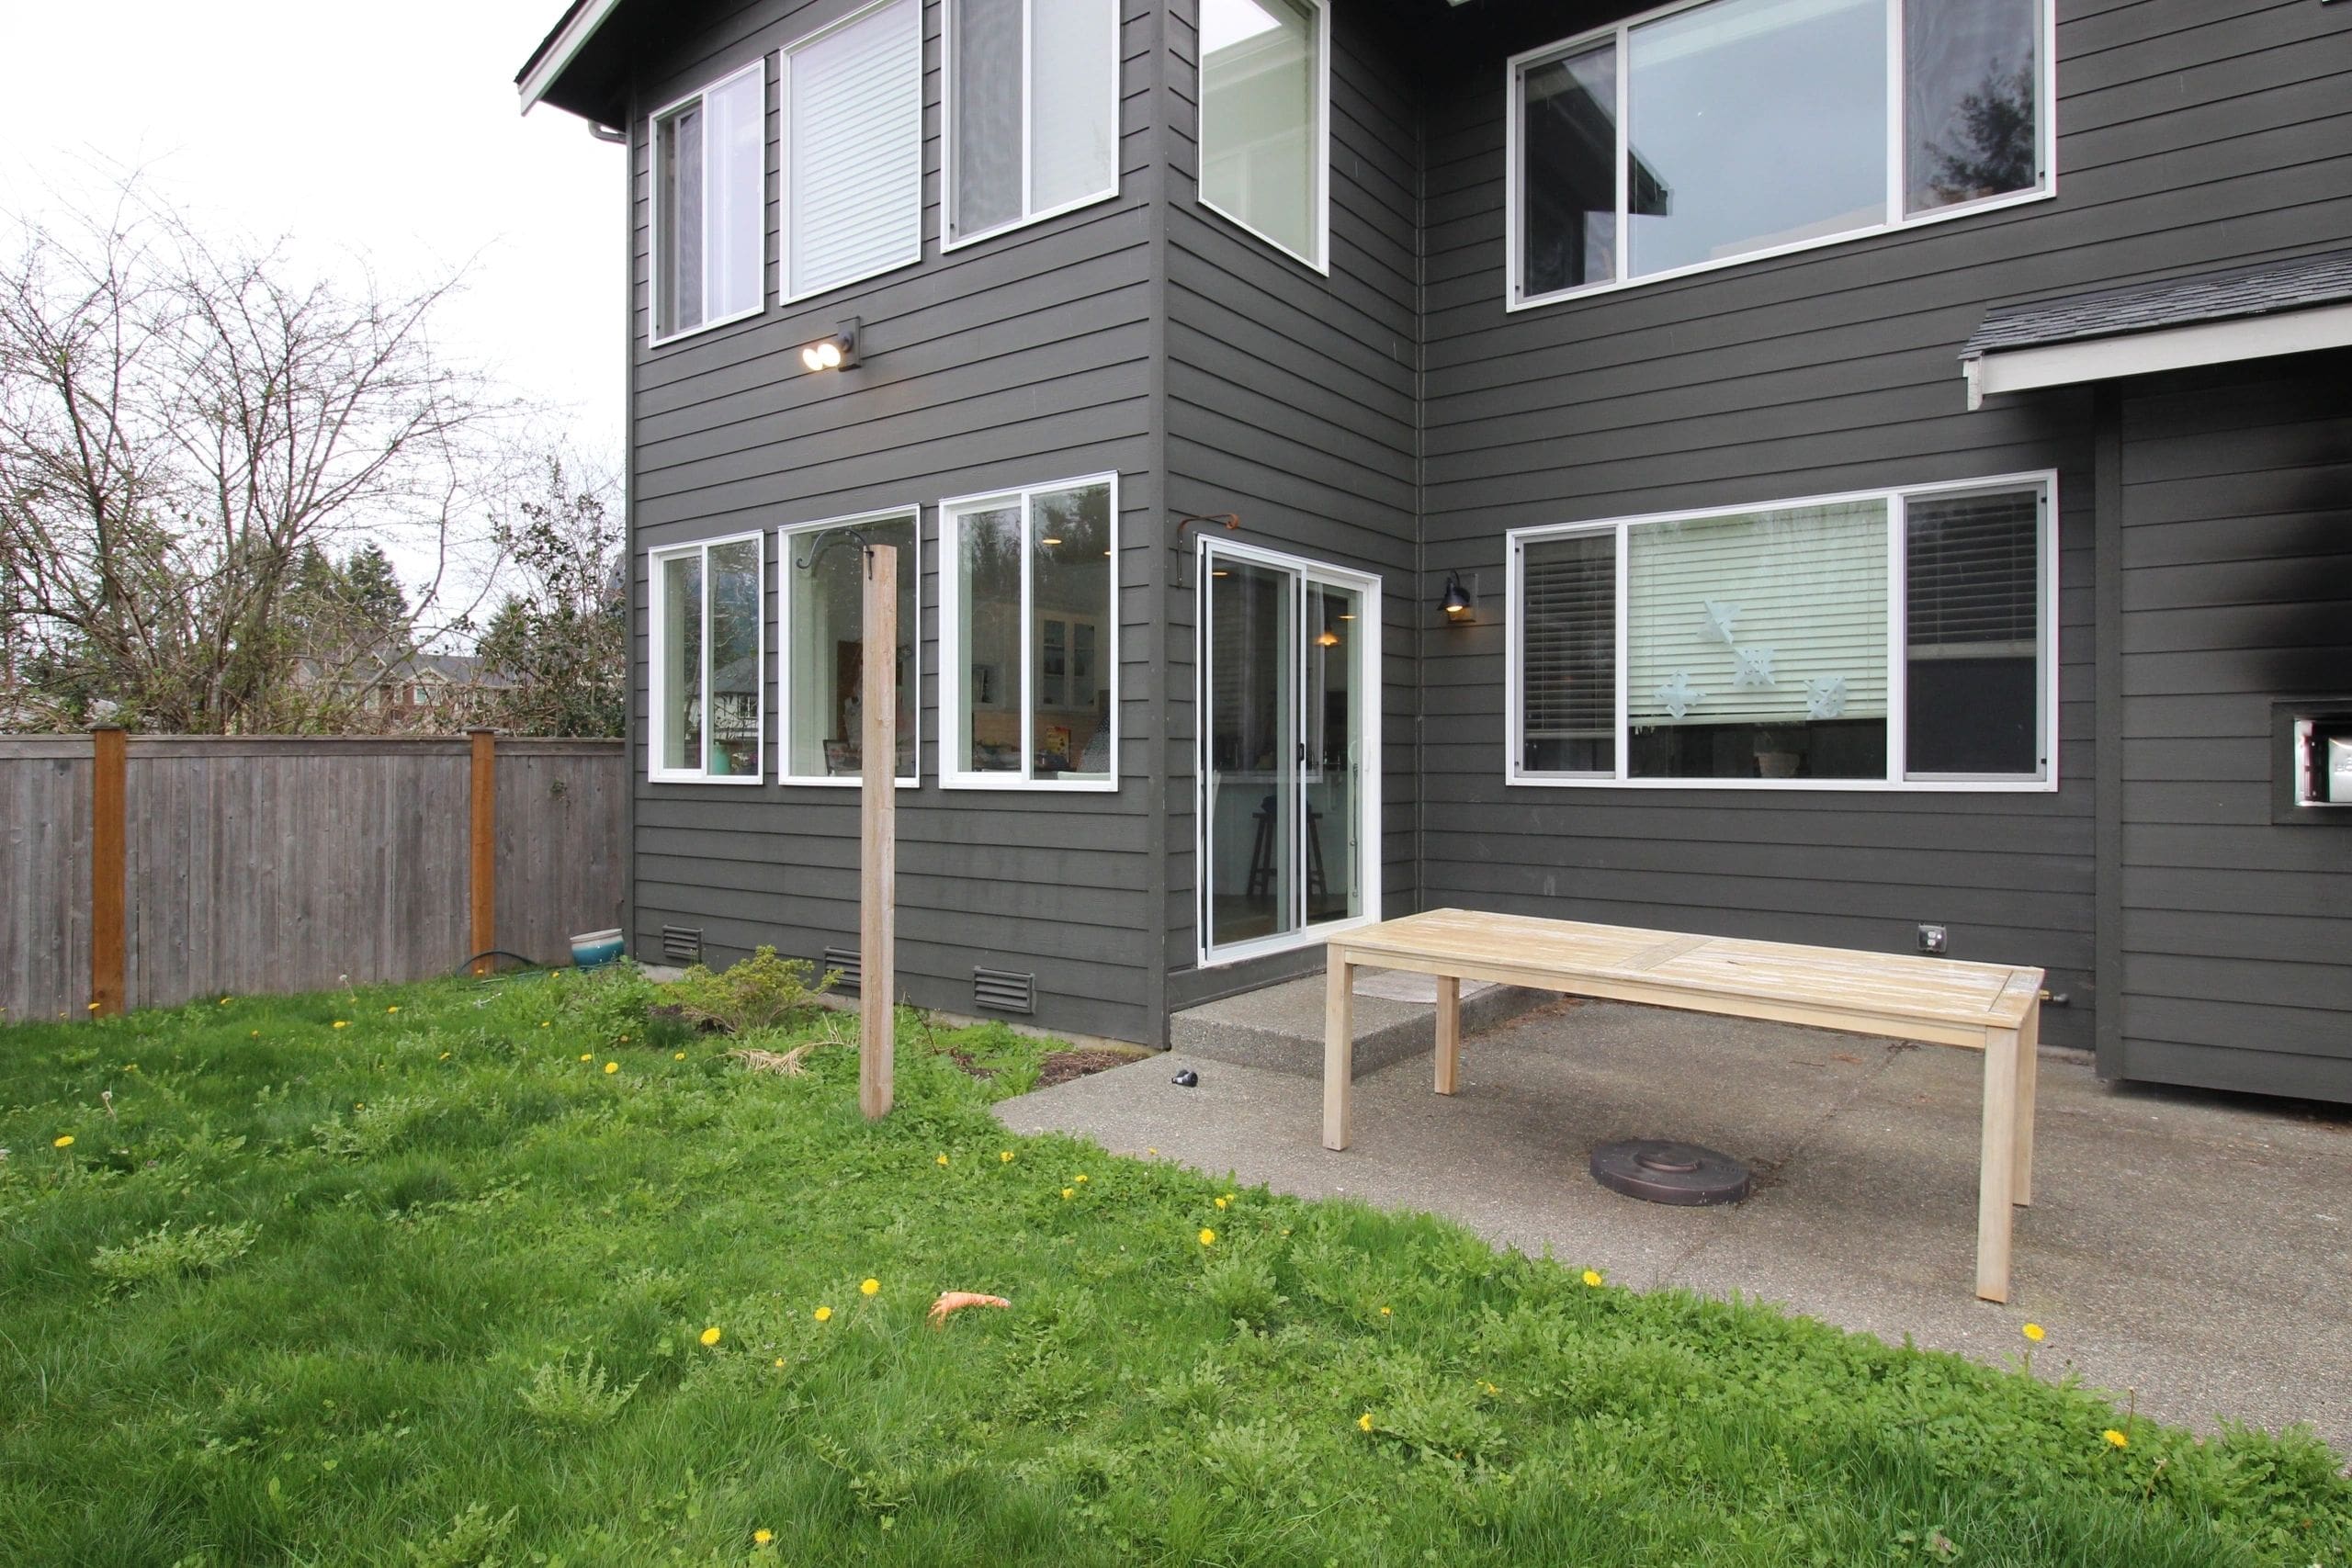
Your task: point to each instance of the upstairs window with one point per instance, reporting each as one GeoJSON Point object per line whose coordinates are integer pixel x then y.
{"type": "Point", "coordinates": [851, 107]}
{"type": "Point", "coordinates": [1029, 638]}
{"type": "Point", "coordinates": [1712, 133]}
{"type": "Point", "coordinates": [1032, 110]}
{"type": "Point", "coordinates": [709, 679]}
{"type": "Point", "coordinates": [710, 205]}
{"type": "Point", "coordinates": [1264, 98]}
{"type": "Point", "coordinates": [1892, 638]}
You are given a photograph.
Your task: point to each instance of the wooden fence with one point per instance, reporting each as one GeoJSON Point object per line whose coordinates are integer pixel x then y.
{"type": "Point", "coordinates": [260, 864]}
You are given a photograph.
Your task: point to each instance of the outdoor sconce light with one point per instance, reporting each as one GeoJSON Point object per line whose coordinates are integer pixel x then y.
{"type": "Point", "coordinates": [1229, 521]}
{"type": "Point", "coordinates": [838, 352]}
{"type": "Point", "coordinates": [1461, 604]}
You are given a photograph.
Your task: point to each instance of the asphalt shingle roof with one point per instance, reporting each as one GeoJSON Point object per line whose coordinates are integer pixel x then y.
{"type": "Point", "coordinates": [2266, 289]}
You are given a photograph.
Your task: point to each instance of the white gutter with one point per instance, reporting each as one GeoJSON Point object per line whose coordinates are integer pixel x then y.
{"type": "Point", "coordinates": [560, 53]}
{"type": "Point", "coordinates": [2145, 354]}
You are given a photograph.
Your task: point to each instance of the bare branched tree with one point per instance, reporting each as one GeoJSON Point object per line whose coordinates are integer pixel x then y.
{"type": "Point", "coordinates": [183, 425]}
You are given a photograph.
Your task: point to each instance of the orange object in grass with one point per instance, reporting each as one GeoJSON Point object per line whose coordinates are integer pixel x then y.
{"type": "Point", "coordinates": [956, 1301]}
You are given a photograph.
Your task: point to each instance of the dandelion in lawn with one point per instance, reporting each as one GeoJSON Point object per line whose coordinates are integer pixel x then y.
{"type": "Point", "coordinates": [1363, 1421]}
{"type": "Point", "coordinates": [612, 1067]}
{"type": "Point", "coordinates": [64, 1140]}
{"type": "Point", "coordinates": [679, 1058]}
{"type": "Point", "coordinates": [130, 1067]}
{"type": "Point", "coordinates": [584, 1055]}
{"type": "Point", "coordinates": [779, 1363]}
{"type": "Point", "coordinates": [823, 1314]}
{"type": "Point", "coordinates": [623, 1039]}
{"type": "Point", "coordinates": [941, 1160]}
{"type": "Point", "coordinates": [1220, 1202]}
{"type": "Point", "coordinates": [1208, 1236]}
{"type": "Point", "coordinates": [1069, 1193]}
{"type": "Point", "coordinates": [1151, 1151]}
{"type": "Point", "coordinates": [868, 1287]}
{"type": "Point", "coordinates": [761, 1537]}
{"type": "Point", "coordinates": [1385, 1312]}
{"type": "Point", "coordinates": [2116, 1440]}
{"type": "Point", "coordinates": [1079, 1179]}
{"type": "Point", "coordinates": [255, 1035]}
{"type": "Point", "coordinates": [2032, 1331]}
{"type": "Point", "coordinates": [342, 1023]}
{"type": "Point", "coordinates": [547, 1023]}
{"type": "Point", "coordinates": [1005, 1157]}
{"type": "Point", "coordinates": [445, 1055]}
{"type": "Point", "coordinates": [1592, 1278]}
{"type": "Point", "coordinates": [710, 1336]}
{"type": "Point", "coordinates": [1489, 1390]}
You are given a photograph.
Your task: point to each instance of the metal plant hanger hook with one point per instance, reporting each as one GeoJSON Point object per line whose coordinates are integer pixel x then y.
{"type": "Point", "coordinates": [833, 536]}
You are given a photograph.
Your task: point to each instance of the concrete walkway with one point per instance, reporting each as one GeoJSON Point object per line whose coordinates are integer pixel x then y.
{"type": "Point", "coordinates": [2195, 1249]}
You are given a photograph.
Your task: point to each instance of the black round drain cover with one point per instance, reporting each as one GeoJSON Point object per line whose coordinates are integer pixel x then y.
{"type": "Point", "coordinates": [1658, 1170]}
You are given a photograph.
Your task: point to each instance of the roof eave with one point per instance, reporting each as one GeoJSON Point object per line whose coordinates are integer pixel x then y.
{"type": "Point", "coordinates": [539, 76]}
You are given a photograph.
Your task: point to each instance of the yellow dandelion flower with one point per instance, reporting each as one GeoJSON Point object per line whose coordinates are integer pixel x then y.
{"type": "Point", "coordinates": [1005, 1157]}
{"type": "Point", "coordinates": [394, 1008]}
{"type": "Point", "coordinates": [868, 1287]}
{"type": "Point", "coordinates": [445, 1055]}
{"type": "Point", "coordinates": [823, 1314]}
{"type": "Point", "coordinates": [2116, 1438]}
{"type": "Point", "coordinates": [1151, 1151]}
{"type": "Point", "coordinates": [1228, 1197]}
{"type": "Point", "coordinates": [547, 1023]}
{"type": "Point", "coordinates": [1220, 1202]}
{"type": "Point", "coordinates": [342, 1024]}
{"type": "Point", "coordinates": [1363, 1421]}
{"type": "Point", "coordinates": [1592, 1277]}
{"type": "Point", "coordinates": [710, 1336]}
{"type": "Point", "coordinates": [1385, 1312]}
{"type": "Point", "coordinates": [779, 1363]}
{"type": "Point", "coordinates": [1489, 1389]}
{"type": "Point", "coordinates": [2032, 1331]}
{"type": "Point", "coordinates": [612, 1067]}
{"type": "Point", "coordinates": [1068, 1193]}
{"type": "Point", "coordinates": [761, 1537]}
{"type": "Point", "coordinates": [255, 1036]}
{"type": "Point", "coordinates": [64, 1140]}
{"type": "Point", "coordinates": [679, 1058]}
{"type": "Point", "coordinates": [584, 1055]}
{"type": "Point", "coordinates": [1208, 1236]}
{"type": "Point", "coordinates": [224, 1001]}
{"type": "Point", "coordinates": [941, 1160]}
{"type": "Point", "coordinates": [623, 1039]}
{"type": "Point", "coordinates": [1079, 1179]}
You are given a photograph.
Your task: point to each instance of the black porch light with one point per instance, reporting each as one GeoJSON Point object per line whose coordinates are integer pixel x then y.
{"type": "Point", "coordinates": [1460, 606]}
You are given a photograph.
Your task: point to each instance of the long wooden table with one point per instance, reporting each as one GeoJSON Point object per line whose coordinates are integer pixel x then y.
{"type": "Point", "coordinates": [1991, 1007]}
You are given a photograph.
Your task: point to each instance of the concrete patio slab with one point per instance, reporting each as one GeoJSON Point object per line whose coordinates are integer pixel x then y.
{"type": "Point", "coordinates": [2193, 1250]}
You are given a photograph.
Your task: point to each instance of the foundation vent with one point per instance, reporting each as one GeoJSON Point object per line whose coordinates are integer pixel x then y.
{"type": "Point", "coordinates": [844, 959]}
{"type": "Point", "coordinates": [1001, 990]}
{"type": "Point", "coordinates": [682, 944]}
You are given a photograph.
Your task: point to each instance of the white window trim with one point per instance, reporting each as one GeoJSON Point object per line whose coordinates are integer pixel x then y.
{"type": "Point", "coordinates": [1205, 955]}
{"type": "Point", "coordinates": [954, 678]}
{"type": "Point", "coordinates": [1321, 260]}
{"type": "Point", "coordinates": [1897, 780]}
{"type": "Point", "coordinates": [948, 239]}
{"type": "Point", "coordinates": [789, 292]}
{"type": "Point", "coordinates": [790, 541]}
{"type": "Point", "coordinates": [653, 242]}
{"type": "Point", "coordinates": [657, 628]}
{"type": "Point", "coordinates": [1515, 69]}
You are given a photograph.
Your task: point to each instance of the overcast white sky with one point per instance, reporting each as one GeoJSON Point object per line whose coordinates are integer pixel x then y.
{"type": "Point", "coordinates": [387, 133]}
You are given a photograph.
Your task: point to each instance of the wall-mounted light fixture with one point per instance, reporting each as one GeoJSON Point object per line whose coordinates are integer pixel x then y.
{"type": "Point", "coordinates": [1461, 604]}
{"type": "Point", "coordinates": [1229, 521]}
{"type": "Point", "coordinates": [838, 352]}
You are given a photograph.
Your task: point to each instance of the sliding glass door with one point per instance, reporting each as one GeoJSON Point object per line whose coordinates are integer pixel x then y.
{"type": "Point", "coordinates": [1289, 770]}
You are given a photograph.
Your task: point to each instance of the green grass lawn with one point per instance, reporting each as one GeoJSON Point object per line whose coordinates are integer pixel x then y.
{"type": "Point", "coordinates": [415, 1277]}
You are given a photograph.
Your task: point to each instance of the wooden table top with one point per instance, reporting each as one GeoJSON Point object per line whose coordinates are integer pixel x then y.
{"type": "Point", "coordinates": [1936, 991]}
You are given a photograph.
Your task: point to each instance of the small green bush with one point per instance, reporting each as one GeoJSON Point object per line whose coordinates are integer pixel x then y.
{"type": "Point", "coordinates": [759, 992]}
{"type": "Point", "coordinates": [165, 1252]}
{"type": "Point", "coordinates": [575, 1398]}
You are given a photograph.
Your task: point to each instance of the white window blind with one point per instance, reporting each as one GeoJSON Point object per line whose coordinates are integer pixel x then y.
{"type": "Point", "coordinates": [853, 150]}
{"type": "Point", "coordinates": [1734, 619]}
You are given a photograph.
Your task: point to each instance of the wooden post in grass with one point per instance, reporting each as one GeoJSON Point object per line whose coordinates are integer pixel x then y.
{"type": "Point", "coordinates": [110, 755]}
{"type": "Point", "coordinates": [877, 858]}
{"type": "Point", "coordinates": [483, 846]}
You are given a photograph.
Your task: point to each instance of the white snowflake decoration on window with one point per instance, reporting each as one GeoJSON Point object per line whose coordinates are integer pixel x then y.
{"type": "Point", "coordinates": [1679, 696]}
{"type": "Point", "coordinates": [1752, 667]}
{"type": "Point", "coordinates": [1722, 615]}
{"type": "Point", "coordinates": [1825, 699]}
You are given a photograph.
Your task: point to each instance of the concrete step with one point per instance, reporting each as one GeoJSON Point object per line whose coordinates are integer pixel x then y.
{"type": "Point", "coordinates": [1280, 1027]}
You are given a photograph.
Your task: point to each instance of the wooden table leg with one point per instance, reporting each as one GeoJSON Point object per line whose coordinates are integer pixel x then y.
{"type": "Point", "coordinates": [1338, 1047]}
{"type": "Point", "coordinates": [1996, 1163]}
{"type": "Point", "coordinates": [1449, 1031]}
{"type": "Point", "coordinates": [2029, 1071]}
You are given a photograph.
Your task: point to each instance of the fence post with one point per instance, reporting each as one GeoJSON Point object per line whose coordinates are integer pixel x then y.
{"type": "Point", "coordinates": [482, 843]}
{"type": "Point", "coordinates": [877, 858]}
{"type": "Point", "coordinates": [109, 753]}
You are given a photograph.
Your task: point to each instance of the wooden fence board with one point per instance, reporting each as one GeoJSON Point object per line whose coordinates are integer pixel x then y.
{"type": "Point", "coordinates": [273, 864]}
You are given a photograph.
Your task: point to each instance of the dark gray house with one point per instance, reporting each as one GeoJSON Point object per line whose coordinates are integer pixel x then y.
{"type": "Point", "coordinates": [1807, 468]}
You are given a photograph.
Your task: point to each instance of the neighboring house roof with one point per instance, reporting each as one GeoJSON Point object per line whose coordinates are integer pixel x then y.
{"type": "Point", "coordinates": [2247, 312]}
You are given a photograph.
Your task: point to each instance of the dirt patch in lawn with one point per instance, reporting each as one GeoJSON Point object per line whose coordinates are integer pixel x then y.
{"type": "Point", "coordinates": [1064, 1065]}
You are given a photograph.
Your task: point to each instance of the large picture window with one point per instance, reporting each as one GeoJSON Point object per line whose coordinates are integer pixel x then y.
{"type": "Point", "coordinates": [708, 718]}
{"type": "Point", "coordinates": [1033, 111]}
{"type": "Point", "coordinates": [1264, 91]}
{"type": "Point", "coordinates": [1708, 133]}
{"type": "Point", "coordinates": [851, 97]}
{"type": "Point", "coordinates": [710, 205]}
{"type": "Point", "coordinates": [1029, 638]}
{"type": "Point", "coordinates": [1891, 638]}
{"type": "Point", "coordinates": [823, 638]}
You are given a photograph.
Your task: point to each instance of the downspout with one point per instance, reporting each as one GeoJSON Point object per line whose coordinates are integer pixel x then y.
{"type": "Point", "coordinates": [612, 133]}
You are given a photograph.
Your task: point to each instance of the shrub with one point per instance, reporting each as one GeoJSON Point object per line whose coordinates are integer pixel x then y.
{"type": "Point", "coordinates": [758, 992]}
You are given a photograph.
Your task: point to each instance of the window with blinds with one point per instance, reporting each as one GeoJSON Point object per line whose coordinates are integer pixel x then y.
{"type": "Point", "coordinates": [1782, 643]}
{"type": "Point", "coordinates": [1567, 683]}
{"type": "Point", "coordinates": [853, 153]}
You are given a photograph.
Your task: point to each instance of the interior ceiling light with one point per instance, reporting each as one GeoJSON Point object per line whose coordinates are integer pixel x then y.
{"type": "Point", "coordinates": [1326, 638]}
{"type": "Point", "coordinates": [1049, 543]}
